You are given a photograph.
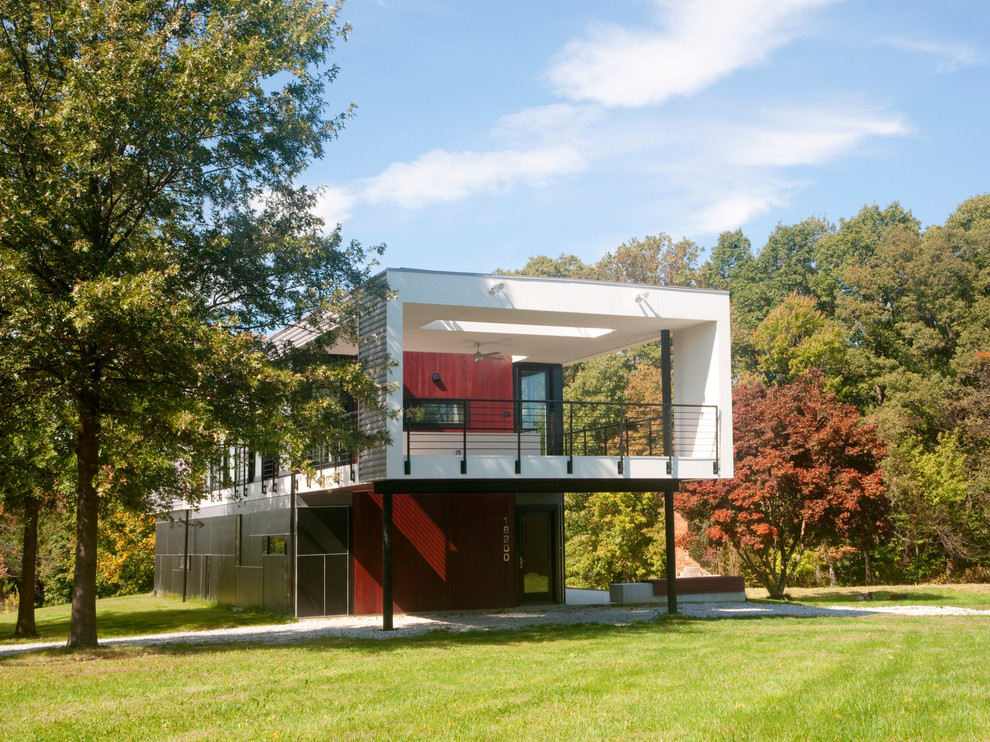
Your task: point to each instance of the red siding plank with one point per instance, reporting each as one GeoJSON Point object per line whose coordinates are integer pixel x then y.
{"type": "Point", "coordinates": [447, 552]}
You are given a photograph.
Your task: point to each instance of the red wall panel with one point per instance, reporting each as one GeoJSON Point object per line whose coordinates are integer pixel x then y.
{"type": "Point", "coordinates": [448, 552]}
{"type": "Point", "coordinates": [461, 377]}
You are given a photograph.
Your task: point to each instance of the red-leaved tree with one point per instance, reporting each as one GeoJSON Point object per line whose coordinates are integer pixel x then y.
{"type": "Point", "coordinates": [806, 475]}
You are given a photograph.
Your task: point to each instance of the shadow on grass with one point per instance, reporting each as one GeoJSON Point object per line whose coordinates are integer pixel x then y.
{"type": "Point", "coordinates": [457, 635]}
{"type": "Point", "coordinates": [113, 623]}
{"type": "Point", "coordinates": [854, 596]}
{"type": "Point", "coordinates": [543, 634]}
{"type": "Point", "coordinates": [116, 622]}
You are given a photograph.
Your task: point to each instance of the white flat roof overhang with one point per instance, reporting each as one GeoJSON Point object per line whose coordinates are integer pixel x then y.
{"type": "Point", "coordinates": [433, 328]}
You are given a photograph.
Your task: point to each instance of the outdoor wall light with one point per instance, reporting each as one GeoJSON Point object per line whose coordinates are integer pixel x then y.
{"type": "Point", "coordinates": [436, 378]}
{"type": "Point", "coordinates": [640, 298]}
{"type": "Point", "coordinates": [496, 288]}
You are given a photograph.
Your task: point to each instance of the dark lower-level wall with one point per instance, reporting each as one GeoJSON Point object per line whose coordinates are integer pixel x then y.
{"type": "Point", "coordinates": [227, 558]}
{"type": "Point", "coordinates": [450, 552]}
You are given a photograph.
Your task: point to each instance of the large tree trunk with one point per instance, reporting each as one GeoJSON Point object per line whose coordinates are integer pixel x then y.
{"type": "Point", "coordinates": [868, 567]}
{"type": "Point", "coordinates": [833, 580]}
{"type": "Point", "coordinates": [29, 567]}
{"type": "Point", "coordinates": [82, 623]}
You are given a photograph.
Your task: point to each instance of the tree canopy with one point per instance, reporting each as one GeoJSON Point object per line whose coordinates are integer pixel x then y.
{"type": "Point", "coordinates": [807, 475]}
{"type": "Point", "coordinates": [892, 318]}
{"type": "Point", "coordinates": [151, 229]}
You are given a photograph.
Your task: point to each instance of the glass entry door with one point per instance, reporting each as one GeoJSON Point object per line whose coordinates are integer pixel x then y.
{"type": "Point", "coordinates": [536, 547]}
{"type": "Point", "coordinates": [538, 386]}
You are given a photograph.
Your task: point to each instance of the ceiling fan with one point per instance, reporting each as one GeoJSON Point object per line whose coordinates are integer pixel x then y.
{"type": "Point", "coordinates": [479, 356]}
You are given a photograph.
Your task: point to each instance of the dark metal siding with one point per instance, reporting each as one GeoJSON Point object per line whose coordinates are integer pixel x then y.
{"type": "Point", "coordinates": [212, 572]}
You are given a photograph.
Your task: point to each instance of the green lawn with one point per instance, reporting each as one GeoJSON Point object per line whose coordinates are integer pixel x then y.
{"type": "Point", "coordinates": [873, 677]}
{"type": "Point", "coordinates": [138, 614]}
{"type": "Point", "coordinates": [963, 596]}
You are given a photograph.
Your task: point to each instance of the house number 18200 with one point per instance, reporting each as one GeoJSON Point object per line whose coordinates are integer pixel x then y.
{"type": "Point", "coordinates": [505, 539]}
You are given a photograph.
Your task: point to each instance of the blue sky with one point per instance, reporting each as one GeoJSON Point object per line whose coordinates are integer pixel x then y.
{"type": "Point", "coordinates": [486, 133]}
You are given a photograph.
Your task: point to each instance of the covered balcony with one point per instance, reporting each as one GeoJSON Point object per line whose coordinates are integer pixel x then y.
{"type": "Point", "coordinates": [475, 402]}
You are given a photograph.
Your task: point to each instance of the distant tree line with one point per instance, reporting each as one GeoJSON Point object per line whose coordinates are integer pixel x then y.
{"type": "Point", "coordinates": [861, 362]}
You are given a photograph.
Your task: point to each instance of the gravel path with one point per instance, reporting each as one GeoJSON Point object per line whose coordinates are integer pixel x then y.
{"type": "Point", "coordinates": [369, 627]}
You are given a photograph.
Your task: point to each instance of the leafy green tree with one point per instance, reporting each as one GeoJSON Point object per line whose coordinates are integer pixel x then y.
{"type": "Point", "coordinates": [854, 243]}
{"type": "Point", "coordinates": [613, 537]}
{"type": "Point", "coordinates": [564, 266]}
{"type": "Point", "coordinates": [602, 382]}
{"type": "Point", "coordinates": [907, 307]}
{"type": "Point", "coordinates": [942, 491]}
{"type": "Point", "coordinates": [786, 264]}
{"type": "Point", "coordinates": [151, 230]}
{"type": "Point", "coordinates": [934, 501]}
{"type": "Point", "coordinates": [656, 260]}
{"type": "Point", "coordinates": [728, 259]}
{"type": "Point", "coordinates": [36, 456]}
{"type": "Point", "coordinates": [795, 339]}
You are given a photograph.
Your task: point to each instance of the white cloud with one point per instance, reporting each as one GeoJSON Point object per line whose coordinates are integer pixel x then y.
{"type": "Point", "coordinates": [953, 56]}
{"type": "Point", "coordinates": [731, 209]}
{"type": "Point", "coordinates": [441, 176]}
{"type": "Point", "coordinates": [335, 204]}
{"type": "Point", "coordinates": [808, 137]}
{"type": "Point", "coordinates": [714, 175]}
{"type": "Point", "coordinates": [558, 121]}
{"type": "Point", "coordinates": [701, 42]}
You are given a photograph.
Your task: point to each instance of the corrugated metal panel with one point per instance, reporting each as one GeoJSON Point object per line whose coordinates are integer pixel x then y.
{"type": "Point", "coordinates": [373, 356]}
{"type": "Point", "coordinates": [260, 580]}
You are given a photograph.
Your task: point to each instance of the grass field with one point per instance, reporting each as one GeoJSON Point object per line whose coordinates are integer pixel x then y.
{"type": "Point", "coordinates": [964, 596]}
{"type": "Point", "coordinates": [138, 614]}
{"type": "Point", "coordinates": [871, 678]}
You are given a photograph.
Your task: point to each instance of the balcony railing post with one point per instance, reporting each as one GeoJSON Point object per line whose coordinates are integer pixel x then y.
{"type": "Point", "coordinates": [570, 437]}
{"type": "Point", "coordinates": [519, 449]}
{"type": "Point", "coordinates": [464, 427]}
{"type": "Point", "coordinates": [408, 427]}
{"type": "Point", "coordinates": [622, 434]}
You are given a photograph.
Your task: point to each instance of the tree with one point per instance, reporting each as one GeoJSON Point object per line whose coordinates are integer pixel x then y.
{"type": "Point", "coordinates": [853, 244]}
{"type": "Point", "coordinates": [564, 266]}
{"type": "Point", "coordinates": [728, 259]}
{"type": "Point", "coordinates": [151, 230]}
{"type": "Point", "coordinates": [614, 537]}
{"type": "Point", "coordinates": [795, 339]}
{"type": "Point", "coordinates": [934, 500]}
{"type": "Point", "coordinates": [653, 260]}
{"type": "Point", "coordinates": [34, 450]}
{"type": "Point", "coordinates": [807, 475]}
{"type": "Point", "coordinates": [941, 490]}
{"type": "Point", "coordinates": [787, 264]}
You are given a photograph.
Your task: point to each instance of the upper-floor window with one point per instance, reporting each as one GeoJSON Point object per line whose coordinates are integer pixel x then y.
{"type": "Point", "coordinates": [437, 413]}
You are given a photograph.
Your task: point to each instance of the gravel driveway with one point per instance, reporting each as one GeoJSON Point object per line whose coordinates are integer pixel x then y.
{"type": "Point", "coordinates": [369, 627]}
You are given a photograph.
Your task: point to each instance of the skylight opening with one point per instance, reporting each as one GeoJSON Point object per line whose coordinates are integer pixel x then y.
{"type": "Point", "coordinates": [502, 328]}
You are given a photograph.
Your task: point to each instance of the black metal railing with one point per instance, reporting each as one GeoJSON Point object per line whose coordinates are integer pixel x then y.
{"type": "Point", "coordinates": [465, 427]}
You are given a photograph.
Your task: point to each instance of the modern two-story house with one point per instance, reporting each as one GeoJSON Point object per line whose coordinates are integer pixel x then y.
{"type": "Point", "coordinates": [463, 509]}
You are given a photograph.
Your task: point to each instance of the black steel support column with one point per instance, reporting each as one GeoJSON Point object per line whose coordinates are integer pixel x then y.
{"type": "Point", "coordinates": [670, 487]}
{"type": "Point", "coordinates": [293, 544]}
{"type": "Point", "coordinates": [671, 547]}
{"type": "Point", "coordinates": [387, 561]}
{"type": "Point", "coordinates": [185, 559]}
